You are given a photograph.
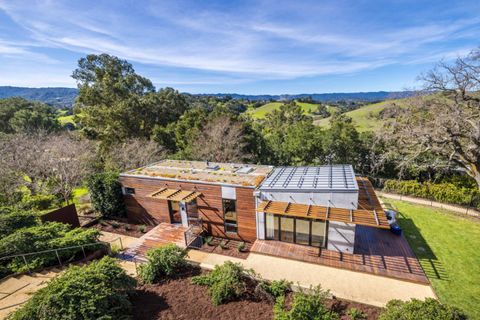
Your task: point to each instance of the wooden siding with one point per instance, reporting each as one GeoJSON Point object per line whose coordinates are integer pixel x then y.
{"type": "Point", "coordinates": [145, 209]}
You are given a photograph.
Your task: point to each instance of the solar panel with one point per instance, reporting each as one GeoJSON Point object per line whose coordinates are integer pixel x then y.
{"type": "Point", "coordinates": [330, 177]}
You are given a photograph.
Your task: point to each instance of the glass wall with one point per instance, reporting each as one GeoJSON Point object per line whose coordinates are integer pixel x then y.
{"type": "Point", "coordinates": [295, 230]}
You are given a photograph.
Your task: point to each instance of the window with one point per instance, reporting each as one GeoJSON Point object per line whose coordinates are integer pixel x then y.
{"type": "Point", "coordinates": [230, 215]}
{"type": "Point", "coordinates": [129, 190]}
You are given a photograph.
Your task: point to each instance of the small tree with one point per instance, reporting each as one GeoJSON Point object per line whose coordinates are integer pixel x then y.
{"type": "Point", "coordinates": [106, 194]}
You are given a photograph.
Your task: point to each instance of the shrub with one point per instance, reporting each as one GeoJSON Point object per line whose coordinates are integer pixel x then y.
{"type": "Point", "coordinates": [209, 240]}
{"type": "Point", "coordinates": [15, 219]}
{"type": "Point", "coordinates": [355, 314]}
{"type": "Point", "coordinates": [142, 228]}
{"type": "Point", "coordinates": [272, 290]}
{"type": "Point", "coordinates": [225, 282]}
{"type": "Point", "coordinates": [305, 306]}
{"type": "Point", "coordinates": [163, 261]}
{"type": "Point", "coordinates": [50, 235]}
{"type": "Point", "coordinates": [106, 194]}
{"type": "Point", "coordinates": [223, 244]}
{"type": "Point", "coordinates": [241, 247]}
{"type": "Point", "coordinates": [38, 202]}
{"type": "Point", "coordinates": [442, 192]}
{"type": "Point", "coordinates": [430, 309]}
{"type": "Point", "coordinates": [96, 291]}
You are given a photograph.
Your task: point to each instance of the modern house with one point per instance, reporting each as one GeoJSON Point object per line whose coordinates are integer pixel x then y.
{"type": "Point", "coordinates": [317, 206]}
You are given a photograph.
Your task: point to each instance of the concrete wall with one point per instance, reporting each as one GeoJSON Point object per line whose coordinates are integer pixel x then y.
{"type": "Point", "coordinates": [347, 200]}
{"type": "Point", "coordinates": [341, 236]}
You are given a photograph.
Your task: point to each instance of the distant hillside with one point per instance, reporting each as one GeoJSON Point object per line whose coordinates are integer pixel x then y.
{"type": "Point", "coordinates": [372, 116]}
{"type": "Point", "coordinates": [322, 97]}
{"type": "Point", "coordinates": [57, 97]}
{"type": "Point", "coordinates": [260, 112]}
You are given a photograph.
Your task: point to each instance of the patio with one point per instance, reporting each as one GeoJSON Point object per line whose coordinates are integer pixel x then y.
{"type": "Point", "coordinates": [376, 251]}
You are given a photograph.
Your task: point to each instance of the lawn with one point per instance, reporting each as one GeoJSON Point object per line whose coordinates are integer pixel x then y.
{"type": "Point", "coordinates": [66, 119]}
{"type": "Point", "coordinates": [447, 246]}
{"type": "Point", "coordinates": [78, 193]}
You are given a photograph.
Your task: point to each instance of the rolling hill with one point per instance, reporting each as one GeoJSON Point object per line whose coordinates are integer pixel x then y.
{"type": "Point", "coordinates": [368, 118]}
{"type": "Point", "coordinates": [57, 97]}
{"type": "Point", "coordinates": [260, 112]}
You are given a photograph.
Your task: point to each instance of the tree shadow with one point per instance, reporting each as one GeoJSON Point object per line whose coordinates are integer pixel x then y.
{"type": "Point", "coordinates": [147, 304]}
{"type": "Point", "coordinates": [432, 267]}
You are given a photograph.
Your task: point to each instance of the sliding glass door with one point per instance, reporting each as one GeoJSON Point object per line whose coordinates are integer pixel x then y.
{"type": "Point", "coordinates": [307, 232]}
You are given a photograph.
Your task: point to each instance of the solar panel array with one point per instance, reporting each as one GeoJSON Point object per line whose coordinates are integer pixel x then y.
{"type": "Point", "coordinates": [331, 177]}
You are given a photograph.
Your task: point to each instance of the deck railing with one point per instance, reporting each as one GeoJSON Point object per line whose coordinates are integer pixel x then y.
{"type": "Point", "coordinates": [193, 235]}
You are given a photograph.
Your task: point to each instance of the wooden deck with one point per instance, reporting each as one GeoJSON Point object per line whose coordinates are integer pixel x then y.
{"type": "Point", "coordinates": [159, 236]}
{"type": "Point", "coordinates": [376, 251]}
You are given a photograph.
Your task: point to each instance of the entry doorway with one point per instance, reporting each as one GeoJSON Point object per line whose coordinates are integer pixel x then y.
{"type": "Point", "coordinates": [174, 210]}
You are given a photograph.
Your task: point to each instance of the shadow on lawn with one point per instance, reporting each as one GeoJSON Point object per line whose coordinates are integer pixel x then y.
{"type": "Point", "coordinates": [432, 267]}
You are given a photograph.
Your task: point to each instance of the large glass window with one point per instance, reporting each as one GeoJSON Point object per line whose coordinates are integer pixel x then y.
{"type": "Point", "coordinates": [302, 229]}
{"type": "Point", "coordinates": [295, 230]}
{"type": "Point", "coordinates": [287, 226]}
{"type": "Point", "coordinates": [318, 233]}
{"type": "Point", "coordinates": [230, 215]}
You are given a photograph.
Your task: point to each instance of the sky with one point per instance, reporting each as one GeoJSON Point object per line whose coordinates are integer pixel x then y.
{"type": "Point", "coordinates": [250, 47]}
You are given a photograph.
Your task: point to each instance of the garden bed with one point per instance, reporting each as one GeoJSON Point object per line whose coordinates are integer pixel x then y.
{"type": "Point", "coordinates": [123, 227]}
{"type": "Point", "coordinates": [230, 248]}
{"type": "Point", "coordinates": [180, 299]}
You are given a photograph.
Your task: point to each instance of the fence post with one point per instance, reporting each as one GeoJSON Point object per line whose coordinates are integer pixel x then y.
{"type": "Point", "coordinates": [26, 263]}
{"type": "Point", "coordinates": [58, 257]}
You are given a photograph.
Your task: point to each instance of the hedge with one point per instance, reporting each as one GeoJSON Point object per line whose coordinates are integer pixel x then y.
{"type": "Point", "coordinates": [96, 291]}
{"type": "Point", "coordinates": [441, 192]}
{"type": "Point", "coordinates": [47, 236]}
{"type": "Point", "coordinates": [430, 309]}
{"type": "Point", "coordinates": [12, 219]}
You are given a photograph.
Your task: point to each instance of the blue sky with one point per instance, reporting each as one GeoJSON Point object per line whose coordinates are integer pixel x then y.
{"type": "Point", "coordinates": [239, 46]}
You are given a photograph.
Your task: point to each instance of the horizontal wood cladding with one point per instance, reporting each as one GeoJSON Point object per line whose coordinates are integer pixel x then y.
{"type": "Point", "coordinates": [144, 209]}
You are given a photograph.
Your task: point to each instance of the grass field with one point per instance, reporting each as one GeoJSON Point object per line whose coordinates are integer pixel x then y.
{"type": "Point", "coordinates": [78, 193]}
{"type": "Point", "coordinates": [66, 119]}
{"type": "Point", "coordinates": [260, 113]}
{"type": "Point", "coordinates": [447, 246]}
{"type": "Point", "coordinates": [365, 118]}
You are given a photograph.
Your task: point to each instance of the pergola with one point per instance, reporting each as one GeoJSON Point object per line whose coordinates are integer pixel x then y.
{"type": "Point", "coordinates": [175, 194]}
{"type": "Point", "coordinates": [370, 212]}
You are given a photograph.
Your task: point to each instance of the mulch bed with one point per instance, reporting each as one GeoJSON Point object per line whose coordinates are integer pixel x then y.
{"type": "Point", "coordinates": [121, 226]}
{"type": "Point", "coordinates": [230, 248]}
{"type": "Point", "coordinates": [180, 299]}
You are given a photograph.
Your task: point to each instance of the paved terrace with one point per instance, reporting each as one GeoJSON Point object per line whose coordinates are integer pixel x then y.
{"type": "Point", "coordinates": [376, 251]}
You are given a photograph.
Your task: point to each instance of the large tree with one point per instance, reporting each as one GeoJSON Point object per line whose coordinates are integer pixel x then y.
{"type": "Point", "coordinates": [115, 103]}
{"type": "Point", "coordinates": [443, 126]}
{"type": "Point", "coordinates": [18, 115]}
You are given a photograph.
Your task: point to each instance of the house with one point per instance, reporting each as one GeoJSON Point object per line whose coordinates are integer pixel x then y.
{"type": "Point", "coordinates": [317, 206]}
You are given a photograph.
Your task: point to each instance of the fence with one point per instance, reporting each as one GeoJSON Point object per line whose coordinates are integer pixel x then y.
{"type": "Point", "coordinates": [24, 256]}
{"type": "Point", "coordinates": [455, 208]}
{"type": "Point", "coordinates": [193, 235]}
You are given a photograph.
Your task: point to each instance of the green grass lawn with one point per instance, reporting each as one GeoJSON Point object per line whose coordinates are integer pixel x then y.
{"type": "Point", "coordinates": [78, 193]}
{"type": "Point", "coordinates": [448, 248]}
{"type": "Point", "coordinates": [66, 119]}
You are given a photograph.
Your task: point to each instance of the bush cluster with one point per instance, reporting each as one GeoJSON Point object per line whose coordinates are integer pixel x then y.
{"type": "Point", "coordinates": [96, 291]}
{"type": "Point", "coordinates": [50, 235]}
{"type": "Point", "coordinates": [12, 219]}
{"type": "Point", "coordinates": [441, 192]}
{"type": "Point", "coordinates": [106, 194]}
{"type": "Point", "coordinates": [430, 309]}
{"type": "Point", "coordinates": [305, 306]}
{"type": "Point", "coordinates": [162, 262]}
{"type": "Point", "coordinates": [225, 282]}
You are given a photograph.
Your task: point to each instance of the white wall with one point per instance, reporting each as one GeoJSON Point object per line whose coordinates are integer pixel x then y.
{"type": "Point", "coordinates": [341, 236]}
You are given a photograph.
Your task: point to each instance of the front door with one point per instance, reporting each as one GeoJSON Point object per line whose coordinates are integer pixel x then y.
{"type": "Point", "coordinates": [175, 214]}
